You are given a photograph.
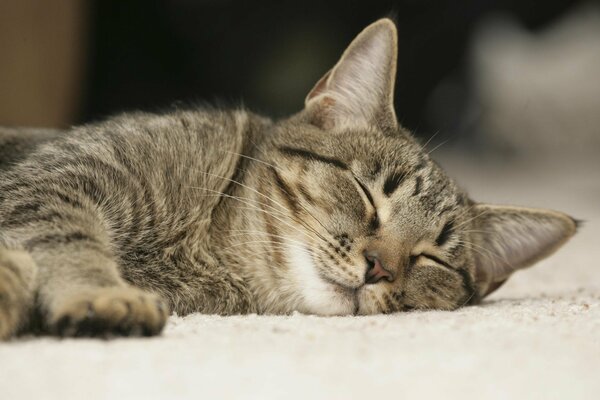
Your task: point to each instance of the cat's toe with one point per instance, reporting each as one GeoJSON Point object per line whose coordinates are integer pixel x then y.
{"type": "Point", "coordinates": [12, 297]}
{"type": "Point", "coordinates": [110, 312]}
{"type": "Point", "coordinates": [7, 317]}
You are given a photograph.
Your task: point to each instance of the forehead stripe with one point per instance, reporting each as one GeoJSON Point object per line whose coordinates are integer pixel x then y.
{"type": "Point", "coordinates": [418, 184]}
{"type": "Point", "coordinates": [445, 234]}
{"type": "Point", "coordinates": [285, 190]}
{"type": "Point", "coordinates": [309, 155]}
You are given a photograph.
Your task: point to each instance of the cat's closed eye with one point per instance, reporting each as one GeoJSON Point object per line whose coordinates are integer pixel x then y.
{"type": "Point", "coordinates": [374, 222]}
{"type": "Point", "coordinates": [365, 191]}
{"type": "Point", "coordinates": [445, 233]}
{"type": "Point", "coordinates": [436, 260]}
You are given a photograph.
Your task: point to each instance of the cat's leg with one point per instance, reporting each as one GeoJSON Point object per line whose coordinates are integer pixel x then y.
{"type": "Point", "coordinates": [17, 276]}
{"type": "Point", "coordinates": [80, 290]}
{"type": "Point", "coordinates": [190, 285]}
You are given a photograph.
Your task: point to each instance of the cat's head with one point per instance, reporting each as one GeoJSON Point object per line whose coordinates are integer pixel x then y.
{"type": "Point", "coordinates": [366, 222]}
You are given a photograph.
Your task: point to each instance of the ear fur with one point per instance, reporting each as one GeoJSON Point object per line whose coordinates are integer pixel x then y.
{"type": "Point", "coordinates": [359, 89]}
{"type": "Point", "coordinates": [511, 238]}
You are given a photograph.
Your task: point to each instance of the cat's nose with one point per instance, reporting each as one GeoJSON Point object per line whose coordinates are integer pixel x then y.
{"type": "Point", "coordinates": [376, 270]}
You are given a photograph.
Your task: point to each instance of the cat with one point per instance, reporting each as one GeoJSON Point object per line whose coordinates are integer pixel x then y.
{"type": "Point", "coordinates": [109, 227]}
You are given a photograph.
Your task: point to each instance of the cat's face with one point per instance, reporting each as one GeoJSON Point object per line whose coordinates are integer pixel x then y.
{"type": "Point", "coordinates": [377, 226]}
{"type": "Point", "coordinates": [371, 223]}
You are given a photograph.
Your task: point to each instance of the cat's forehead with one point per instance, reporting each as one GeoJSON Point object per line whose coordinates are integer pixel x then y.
{"type": "Point", "coordinates": [375, 154]}
{"type": "Point", "coordinates": [393, 165]}
{"type": "Point", "coordinates": [401, 173]}
{"type": "Point", "coordinates": [364, 147]}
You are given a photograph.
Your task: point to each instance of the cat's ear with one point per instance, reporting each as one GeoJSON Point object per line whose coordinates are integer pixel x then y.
{"type": "Point", "coordinates": [510, 238]}
{"type": "Point", "coordinates": [359, 89]}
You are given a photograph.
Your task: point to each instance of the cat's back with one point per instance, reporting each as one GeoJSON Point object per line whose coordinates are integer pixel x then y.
{"type": "Point", "coordinates": [180, 147]}
{"type": "Point", "coordinates": [155, 179]}
{"type": "Point", "coordinates": [17, 143]}
{"type": "Point", "coordinates": [178, 161]}
{"type": "Point", "coordinates": [142, 141]}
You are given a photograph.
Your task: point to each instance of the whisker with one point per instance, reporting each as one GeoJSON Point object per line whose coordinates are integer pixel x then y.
{"type": "Point", "coordinates": [244, 186]}
{"type": "Point", "coordinates": [273, 200]}
{"type": "Point", "coordinates": [279, 169]}
{"type": "Point", "coordinates": [430, 139]}
{"type": "Point", "coordinates": [307, 234]}
{"type": "Point", "coordinates": [468, 298]}
{"type": "Point", "coordinates": [488, 252]}
{"type": "Point", "coordinates": [252, 206]}
{"type": "Point", "coordinates": [471, 219]}
{"type": "Point", "coordinates": [270, 242]}
{"type": "Point", "coordinates": [493, 233]}
{"type": "Point", "coordinates": [309, 246]}
{"type": "Point", "coordinates": [254, 159]}
{"type": "Point", "coordinates": [437, 147]}
{"type": "Point", "coordinates": [239, 198]}
{"type": "Point", "coordinates": [314, 218]}
{"type": "Point", "coordinates": [245, 233]}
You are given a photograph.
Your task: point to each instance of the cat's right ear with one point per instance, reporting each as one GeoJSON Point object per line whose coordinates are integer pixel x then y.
{"type": "Point", "coordinates": [508, 238]}
{"type": "Point", "coordinates": [359, 89]}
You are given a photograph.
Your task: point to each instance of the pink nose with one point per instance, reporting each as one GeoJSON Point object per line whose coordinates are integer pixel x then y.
{"type": "Point", "coordinates": [376, 271]}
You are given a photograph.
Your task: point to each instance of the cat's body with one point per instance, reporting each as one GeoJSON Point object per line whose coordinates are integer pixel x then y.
{"type": "Point", "coordinates": [337, 210]}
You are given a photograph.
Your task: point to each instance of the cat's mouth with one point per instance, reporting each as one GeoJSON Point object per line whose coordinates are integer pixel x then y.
{"type": "Point", "coordinates": [353, 293]}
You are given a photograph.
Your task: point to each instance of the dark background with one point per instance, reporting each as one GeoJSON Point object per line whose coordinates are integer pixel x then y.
{"type": "Point", "coordinates": [149, 54]}
{"type": "Point", "coordinates": [72, 61]}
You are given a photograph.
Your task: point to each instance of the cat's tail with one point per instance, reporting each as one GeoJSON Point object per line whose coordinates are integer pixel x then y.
{"type": "Point", "coordinates": [17, 280]}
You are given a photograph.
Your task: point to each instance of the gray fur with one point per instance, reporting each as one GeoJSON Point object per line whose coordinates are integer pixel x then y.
{"type": "Point", "coordinates": [17, 143]}
{"type": "Point", "coordinates": [108, 227]}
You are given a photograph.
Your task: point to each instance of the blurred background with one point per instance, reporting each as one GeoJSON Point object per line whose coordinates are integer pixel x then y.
{"type": "Point", "coordinates": [503, 77]}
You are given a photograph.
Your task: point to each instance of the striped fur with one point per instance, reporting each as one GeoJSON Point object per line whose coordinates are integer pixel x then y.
{"type": "Point", "coordinates": [108, 227]}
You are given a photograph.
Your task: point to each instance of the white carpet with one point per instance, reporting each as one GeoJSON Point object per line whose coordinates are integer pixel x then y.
{"type": "Point", "coordinates": [537, 337]}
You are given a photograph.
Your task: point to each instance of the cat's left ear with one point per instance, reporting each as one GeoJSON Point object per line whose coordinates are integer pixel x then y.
{"type": "Point", "coordinates": [359, 89]}
{"type": "Point", "coordinates": [508, 238]}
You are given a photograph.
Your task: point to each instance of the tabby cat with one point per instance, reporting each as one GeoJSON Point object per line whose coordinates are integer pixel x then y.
{"type": "Point", "coordinates": [108, 228]}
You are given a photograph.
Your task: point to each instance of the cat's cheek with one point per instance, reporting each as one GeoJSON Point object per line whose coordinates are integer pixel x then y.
{"type": "Point", "coordinates": [317, 296]}
{"type": "Point", "coordinates": [322, 298]}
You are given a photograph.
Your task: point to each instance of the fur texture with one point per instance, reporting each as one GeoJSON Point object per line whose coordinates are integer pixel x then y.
{"type": "Point", "coordinates": [336, 210]}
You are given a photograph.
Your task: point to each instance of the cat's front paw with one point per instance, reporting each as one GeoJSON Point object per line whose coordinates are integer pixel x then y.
{"type": "Point", "coordinates": [17, 271]}
{"type": "Point", "coordinates": [9, 302]}
{"type": "Point", "coordinates": [106, 312]}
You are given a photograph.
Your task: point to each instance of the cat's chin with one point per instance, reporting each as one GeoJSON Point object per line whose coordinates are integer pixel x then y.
{"type": "Point", "coordinates": [338, 300]}
{"type": "Point", "coordinates": [336, 308]}
{"type": "Point", "coordinates": [321, 295]}
{"type": "Point", "coordinates": [331, 300]}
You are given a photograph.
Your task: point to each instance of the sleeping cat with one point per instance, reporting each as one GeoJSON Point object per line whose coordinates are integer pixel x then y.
{"type": "Point", "coordinates": [108, 228]}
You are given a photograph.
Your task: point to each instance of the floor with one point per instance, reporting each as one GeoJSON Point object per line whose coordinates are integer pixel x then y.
{"type": "Point", "coordinates": [537, 337]}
